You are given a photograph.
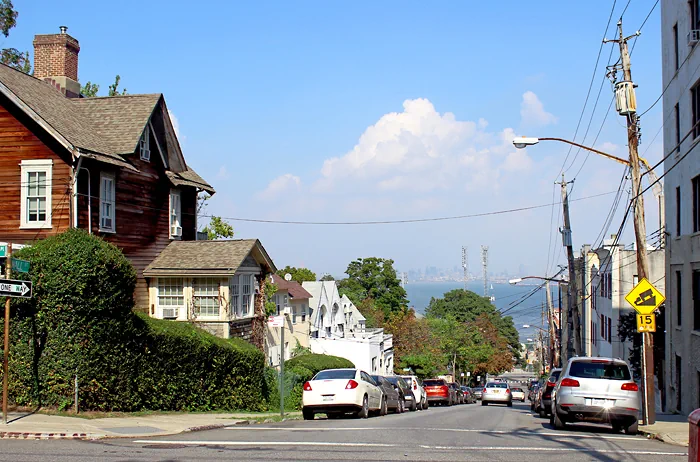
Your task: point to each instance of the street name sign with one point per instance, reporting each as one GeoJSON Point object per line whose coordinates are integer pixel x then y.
{"type": "Point", "coordinates": [275, 321]}
{"type": "Point", "coordinates": [21, 266]}
{"type": "Point", "coordinates": [644, 298]}
{"type": "Point", "coordinates": [12, 288]}
{"type": "Point", "coordinates": [646, 323]}
{"type": "Point", "coordinates": [3, 250]}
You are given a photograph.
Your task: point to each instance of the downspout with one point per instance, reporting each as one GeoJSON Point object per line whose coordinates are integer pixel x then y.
{"type": "Point", "coordinates": [74, 191]}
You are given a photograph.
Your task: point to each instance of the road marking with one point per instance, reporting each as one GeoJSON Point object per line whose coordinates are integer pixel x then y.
{"type": "Point", "coordinates": [382, 445]}
{"type": "Point", "coordinates": [458, 430]}
{"type": "Point", "coordinates": [266, 443]}
{"type": "Point", "coordinates": [546, 449]}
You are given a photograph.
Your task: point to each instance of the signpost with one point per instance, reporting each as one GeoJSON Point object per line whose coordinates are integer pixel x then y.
{"type": "Point", "coordinates": [645, 299]}
{"type": "Point", "coordinates": [21, 266]}
{"type": "Point", "coordinates": [278, 321]}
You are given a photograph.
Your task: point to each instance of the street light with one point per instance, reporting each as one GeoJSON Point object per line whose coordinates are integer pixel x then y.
{"type": "Point", "coordinates": [521, 142]}
{"type": "Point", "coordinates": [528, 326]}
{"type": "Point", "coordinates": [518, 280]}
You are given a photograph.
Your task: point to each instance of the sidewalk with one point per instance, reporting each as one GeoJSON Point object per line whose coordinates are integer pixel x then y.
{"type": "Point", "coordinates": [669, 428]}
{"type": "Point", "coordinates": [42, 426]}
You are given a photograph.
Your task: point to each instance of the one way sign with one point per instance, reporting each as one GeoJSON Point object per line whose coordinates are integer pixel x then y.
{"type": "Point", "coordinates": [12, 288]}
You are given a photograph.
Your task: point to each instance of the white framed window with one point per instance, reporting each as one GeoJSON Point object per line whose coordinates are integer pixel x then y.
{"type": "Point", "coordinates": [171, 297]}
{"type": "Point", "coordinates": [145, 144]}
{"type": "Point", "coordinates": [235, 290]}
{"type": "Point", "coordinates": [206, 296]}
{"type": "Point", "coordinates": [35, 208]}
{"type": "Point", "coordinates": [246, 293]}
{"type": "Point", "coordinates": [175, 215]}
{"type": "Point", "coordinates": [107, 202]}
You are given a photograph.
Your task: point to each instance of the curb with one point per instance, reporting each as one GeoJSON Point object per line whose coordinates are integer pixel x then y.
{"type": "Point", "coordinates": [663, 438]}
{"type": "Point", "coordinates": [47, 436]}
{"type": "Point", "coordinates": [204, 428]}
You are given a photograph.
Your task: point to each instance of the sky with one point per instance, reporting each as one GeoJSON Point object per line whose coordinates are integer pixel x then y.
{"type": "Point", "coordinates": [379, 111]}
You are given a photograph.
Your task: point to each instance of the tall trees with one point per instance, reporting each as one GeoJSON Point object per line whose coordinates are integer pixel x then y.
{"type": "Point", "coordinates": [374, 278]}
{"type": "Point", "coordinates": [298, 274]}
{"type": "Point", "coordinates": [12, 56]}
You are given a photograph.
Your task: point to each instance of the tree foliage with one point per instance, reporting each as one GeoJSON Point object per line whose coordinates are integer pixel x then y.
{"type": "Point", "coordinates": [374, 278]}
{"type": "Point", "coordinates": [327, 277]}
{"type": "Point", "coordinates": [298, 274]}
{"type": "Point", "coordinates": [12, 56]}
{"type": "Point", "coordinates": [218, 228]}
{"type": "Point", "coordinates": [90, 89]}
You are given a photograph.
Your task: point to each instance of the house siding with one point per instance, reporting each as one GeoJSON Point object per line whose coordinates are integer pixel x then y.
{"type": "Point", "coordinates": [18, 143]}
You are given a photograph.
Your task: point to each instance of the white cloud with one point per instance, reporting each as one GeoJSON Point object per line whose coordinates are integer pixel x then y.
{"type": "Point", "coordinates": [282, 184]}
{"type": "Point", "coordinates": [176, 125]}
{"type": "Point", "coordinates": [223, 174]}
{"type": "Point", "coordinates": [532, 111]}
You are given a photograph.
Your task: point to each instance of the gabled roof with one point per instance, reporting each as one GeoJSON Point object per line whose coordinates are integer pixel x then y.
{"type": "Point", "coordinates": [207, 258]}
{"type": "Point", "coordinates": [293, 288]}
{"type": "Point", "coordinates": [104, 128]}
{"type": "Point", "coordinates": [120, 120]}
{"type": "Point", "coordinates": [189, 178]}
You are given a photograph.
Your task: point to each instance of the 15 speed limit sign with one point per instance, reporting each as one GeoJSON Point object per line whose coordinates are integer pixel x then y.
{"type": "Point", "coordinates": [646, 323]}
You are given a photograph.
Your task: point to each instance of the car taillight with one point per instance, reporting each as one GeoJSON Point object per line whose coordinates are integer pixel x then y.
{"type": "Point", "coordinates": [351, 385]}
{"type": "Point", "coordinates": [631, 386]}
{"type": "Point", "coordinates": [569, 383]}
{"type": "Point", "coordinates": [307, 386]}
{"type": "Point", "coordinates": [507, 391]}
{"type": "Point", "coordinates": [415, 387]}
{"type": "Point", "coordinates": [483, 391]}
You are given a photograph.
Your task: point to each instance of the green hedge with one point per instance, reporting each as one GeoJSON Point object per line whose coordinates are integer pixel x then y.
{"type": "Point", "coordinates": [80, 322]}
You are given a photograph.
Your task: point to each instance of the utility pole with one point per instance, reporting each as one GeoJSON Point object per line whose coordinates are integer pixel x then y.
{"type": "Point", "coordinates": [542, 358]}
{"type": "Point", "coordinates": [627, 106]}
{"type": "Point", "coordinates": [553, 359]}
{"type": "Point", "coordinates": [574, 338]}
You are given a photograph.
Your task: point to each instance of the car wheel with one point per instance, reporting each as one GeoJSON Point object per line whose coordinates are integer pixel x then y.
{"type": "Point", "coordinates": [425, 405]}
{"type": "Point", "coordinates": [364, 412]}
{"type": "Point", "coordinates": [543, 413]}
{"type": "Point", "coordinates": [632, 429]}
{"type": "Point", "coordinates": [383, 408]}
{"type": "Point", "coordinates": [413, 407]}
{"type": "Point", "coordinates": [484, 403]}
{"type": "Point", "coordinates": [308, 414]}
{"type": "Point", "coordinates": [399, 408]}
{"type": "Point", "coordinates": [559, 424]}
{"type": "Point", "coordinates": [616, 426]}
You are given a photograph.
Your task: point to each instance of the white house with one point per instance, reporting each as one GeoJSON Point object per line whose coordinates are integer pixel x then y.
{"type": "Point", "coordinates": [338, 329]}
{"type": "Point", "coordinates": [290, 295]}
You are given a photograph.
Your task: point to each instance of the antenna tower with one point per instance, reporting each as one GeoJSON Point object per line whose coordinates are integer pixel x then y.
{"type": "Point", "coordinates": [485, 266]}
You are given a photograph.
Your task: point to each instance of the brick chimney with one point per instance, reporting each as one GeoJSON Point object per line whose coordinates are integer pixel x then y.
{"type": "Point", "coordinates": [56, 61]}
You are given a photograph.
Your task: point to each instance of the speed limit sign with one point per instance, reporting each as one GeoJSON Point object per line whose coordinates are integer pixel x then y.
{"type": "Point", "coordinates": [646, 323]}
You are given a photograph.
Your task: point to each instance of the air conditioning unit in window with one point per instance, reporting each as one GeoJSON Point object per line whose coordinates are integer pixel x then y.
{"type": "Point", "coordinates": [176, 230]}
{"type": "Point", "coordinates": [169, 313]}
{"type": "Point", "coordinates": [693, 37]}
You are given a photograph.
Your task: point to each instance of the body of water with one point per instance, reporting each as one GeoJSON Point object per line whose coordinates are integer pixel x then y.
{"type": "Point", "coordinates": [507, 295]}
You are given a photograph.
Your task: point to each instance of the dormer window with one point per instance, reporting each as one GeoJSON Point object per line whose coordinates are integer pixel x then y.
{"type": "Point", "coordinates": [175, 215]}
{"type": "Point", "coordinates": [145, 144]}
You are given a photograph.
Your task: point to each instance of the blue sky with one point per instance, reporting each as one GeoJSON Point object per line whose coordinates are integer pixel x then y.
{"type": "Point", "coordinates": [416, 102]}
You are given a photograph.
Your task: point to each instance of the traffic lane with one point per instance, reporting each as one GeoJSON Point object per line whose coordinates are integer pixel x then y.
{"type": "Point", "coordinates": [495, 428]}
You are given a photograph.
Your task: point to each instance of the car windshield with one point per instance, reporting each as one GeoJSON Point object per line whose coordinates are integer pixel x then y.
{"type": "Point", "coordinates": [433, 383]}
{"type": "Point", "coordinates": [395, 380]}
{"type": "Point", "coordinates": [599, 370]}
{"type": "Point", "coordinates": [335, 374]}
{"type": "Point", "coordinates": [376, 379]}
{"type": "Point", "coordinates": [555, 376]}
{"type": "Point", "coordinates": [496, 385]}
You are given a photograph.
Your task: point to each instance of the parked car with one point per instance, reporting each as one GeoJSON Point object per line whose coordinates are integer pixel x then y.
{"type": "Point", "coordinates": [458, 392]}
{"type": "Point", "coordinates": [469, 397]}
{"type": "Point", "coordinates": [335, 392]}
{"type": "Point", "coordinates": [439, 392]}
{"type": "Point", "coordinates": [518, 394]}
{"type": "Point", "coordinates": [544, 397]}
{"type": "Point", "coordinates": [391, 394]}
{"type": "Point", "coordinates": [596, 390]}
{"type": "Point", "coordinates": [404, 391]}
{"type": "Point", "coordinates": [532, 396]}
{"type": "Point", "coordinates": [477, 392]}
{"type": "Point", "coordinates": [496, 392]}
{"type": "Point", "coordinates": [420, 396]}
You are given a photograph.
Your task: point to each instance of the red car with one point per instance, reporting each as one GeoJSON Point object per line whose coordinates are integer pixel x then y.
{"type": "Point", "coordinates": [439, 391]}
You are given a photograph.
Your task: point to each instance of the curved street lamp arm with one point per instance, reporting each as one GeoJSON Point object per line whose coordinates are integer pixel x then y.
{"type": "Point", "coordinates": [604, 154]}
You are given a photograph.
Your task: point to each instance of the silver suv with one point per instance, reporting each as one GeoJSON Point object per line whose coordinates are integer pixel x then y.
{"type": "Point", "coordinates": [596, 390]}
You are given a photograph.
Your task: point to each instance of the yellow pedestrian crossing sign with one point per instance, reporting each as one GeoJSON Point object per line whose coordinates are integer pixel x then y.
{"type": "Point", "coordinates": [644, 298]}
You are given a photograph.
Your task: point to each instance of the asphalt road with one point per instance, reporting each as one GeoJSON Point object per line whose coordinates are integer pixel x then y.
{"type": "Point", "coordinates": [467, 432]}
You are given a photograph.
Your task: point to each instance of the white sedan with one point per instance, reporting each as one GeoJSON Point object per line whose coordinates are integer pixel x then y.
{"type": "Point", "coordinates": [335, 392]}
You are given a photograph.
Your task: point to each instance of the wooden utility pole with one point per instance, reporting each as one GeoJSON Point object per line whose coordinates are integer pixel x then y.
{"type": "Point", "coordinates": [626, 87]}
{"type": "Point", "coordinates": [574, 338]}
{"type": "Point", "coordinates": [6, 344]}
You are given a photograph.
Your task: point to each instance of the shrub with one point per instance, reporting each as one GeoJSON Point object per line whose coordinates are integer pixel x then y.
{"type": "Point", "coordinates": [80, 323]}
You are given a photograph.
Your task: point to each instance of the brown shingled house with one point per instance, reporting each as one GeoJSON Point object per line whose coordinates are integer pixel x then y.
{"type": "Point", "coordinates": [112, 166]}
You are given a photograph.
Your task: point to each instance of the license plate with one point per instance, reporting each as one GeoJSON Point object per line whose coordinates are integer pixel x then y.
{"type": "Point", "coordinates": [328, 398]}
{"type": "Point", "coordinates": [496, 391]}
{"type": "Point", "coordinates": [600, 402]}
